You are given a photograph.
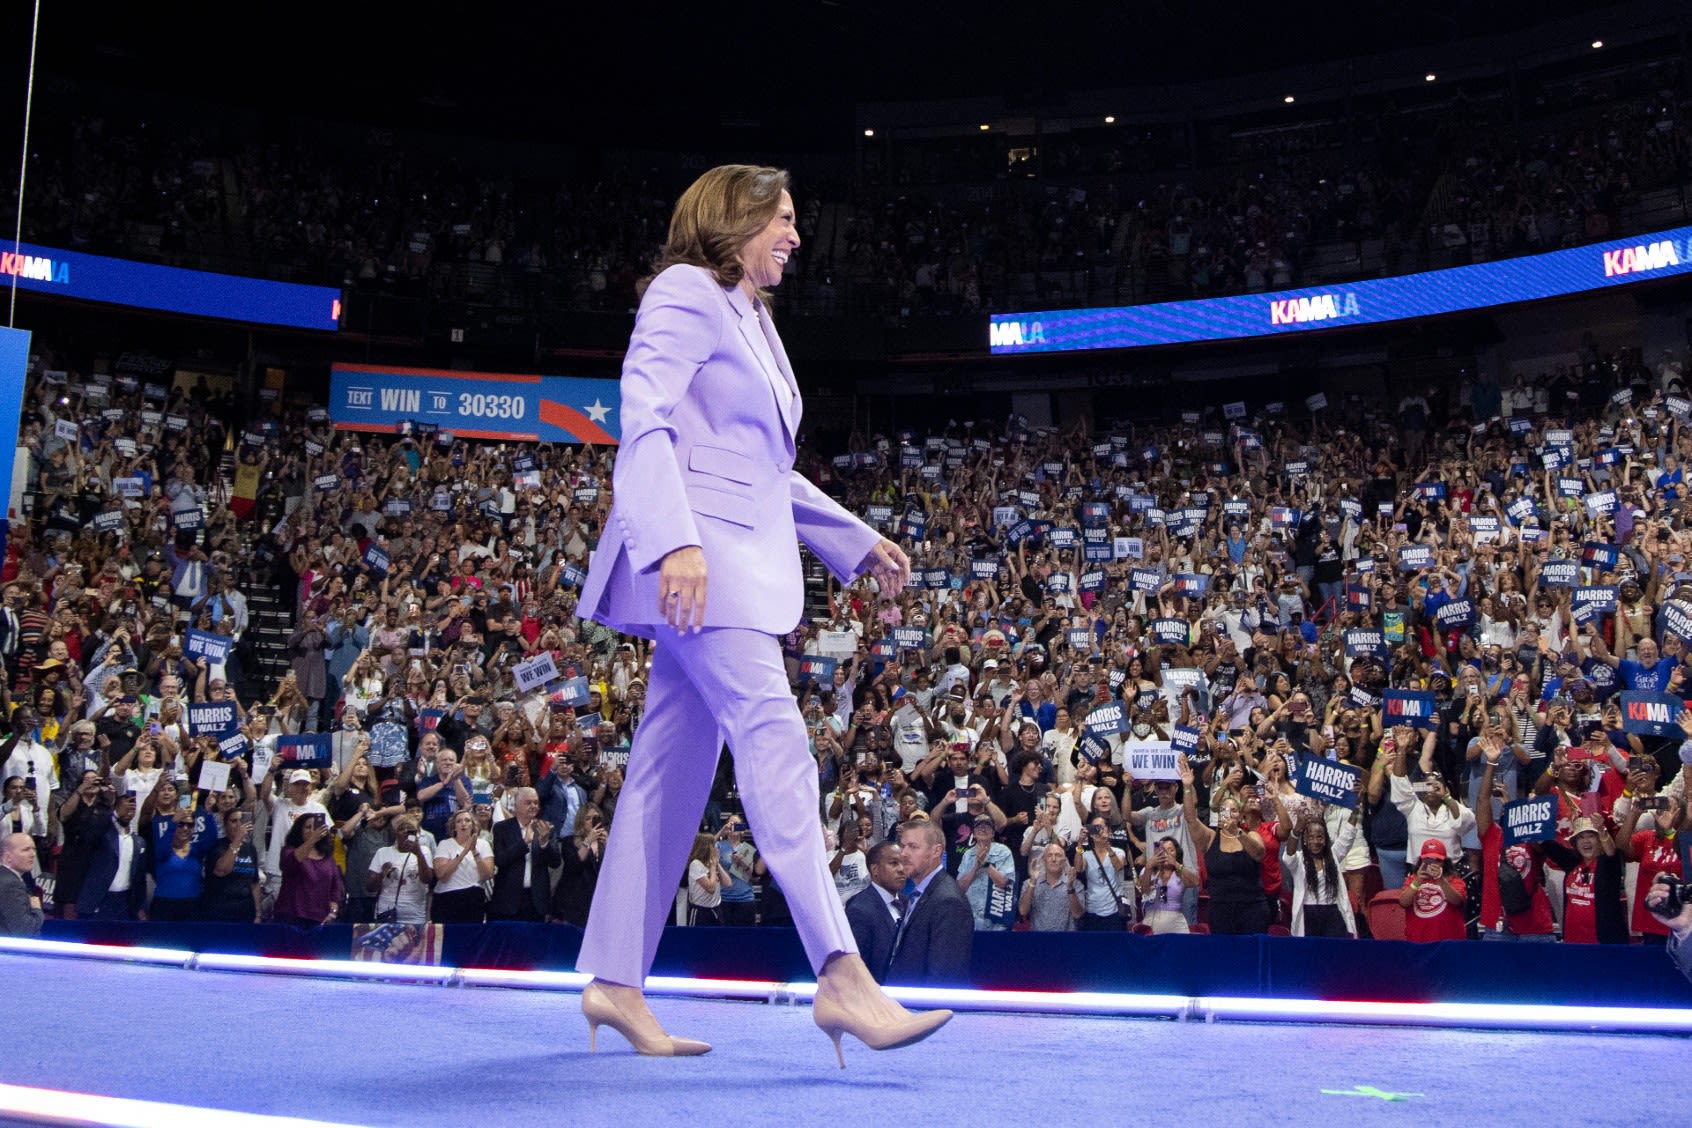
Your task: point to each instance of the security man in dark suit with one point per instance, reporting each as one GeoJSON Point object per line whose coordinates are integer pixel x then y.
{"type": "Point", "coordinates": [875, 913]}
{"type": "Point", "coordinates": [525, 851]}
{"type": "Point", "coordinates": [934, 941]}
{"type": "Point", "coordinates": [20, 905]}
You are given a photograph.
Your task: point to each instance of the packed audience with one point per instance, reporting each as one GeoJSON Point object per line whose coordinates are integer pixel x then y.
{"type": "Point", "coordinates": [986, 222]}
{"type": "Point", "coordinates": [1269, 673]}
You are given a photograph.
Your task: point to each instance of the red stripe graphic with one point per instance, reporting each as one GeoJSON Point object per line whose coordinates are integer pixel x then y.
{"type": "Point", "coordinates": [567, 418]}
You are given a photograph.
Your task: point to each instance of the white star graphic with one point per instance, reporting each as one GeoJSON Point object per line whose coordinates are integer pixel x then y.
{"type": "Point", "coordinates": [598, 411]}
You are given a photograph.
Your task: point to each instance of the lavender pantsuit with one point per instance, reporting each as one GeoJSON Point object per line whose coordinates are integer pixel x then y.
{"type": "Point", "coordinates": [710, 409]}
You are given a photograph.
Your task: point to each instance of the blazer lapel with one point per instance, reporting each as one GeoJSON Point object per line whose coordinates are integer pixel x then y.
{"type": "Point", "coordinates": [780, 353]}
{"type": "Point", "coordinates": [756, 340]}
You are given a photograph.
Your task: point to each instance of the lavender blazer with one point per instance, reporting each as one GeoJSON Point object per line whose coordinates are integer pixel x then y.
{"type": "Point", "coordinates": [709, 411]}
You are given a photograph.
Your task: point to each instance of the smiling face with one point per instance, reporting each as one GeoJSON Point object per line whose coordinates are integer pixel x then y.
{"type": "Point", "coordinates": [766, 253]}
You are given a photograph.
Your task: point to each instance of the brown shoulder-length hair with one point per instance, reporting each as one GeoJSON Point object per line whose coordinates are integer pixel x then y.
{"type": "Point", "coordinates": [715, 217]}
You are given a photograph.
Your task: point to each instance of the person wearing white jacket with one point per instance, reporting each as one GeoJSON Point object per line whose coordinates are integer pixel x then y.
{"type": "Point", "coordinates": [1321, 904]}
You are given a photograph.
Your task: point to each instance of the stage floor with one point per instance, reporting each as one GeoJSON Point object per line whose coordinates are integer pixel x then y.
{"type": "Point", "coordinates": [376, 1053]}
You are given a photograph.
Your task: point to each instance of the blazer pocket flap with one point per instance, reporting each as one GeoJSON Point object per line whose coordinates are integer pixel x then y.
{"type": "Point", "coordinates": [720, 462]}
{"type": "Point", "coordinates": [725, 506]}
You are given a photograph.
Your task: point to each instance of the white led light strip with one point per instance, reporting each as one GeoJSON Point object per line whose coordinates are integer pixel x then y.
{"type": "Point", "coordinates": [50, 1106]}
{"type": "Point", "coordinates": [1500, 1016]}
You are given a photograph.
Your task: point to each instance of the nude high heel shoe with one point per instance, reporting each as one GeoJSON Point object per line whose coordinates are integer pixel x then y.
{"type": "Point", "coordinates": [599, 1010]}
{"type": "Point", "coordinates": [836, 1018]}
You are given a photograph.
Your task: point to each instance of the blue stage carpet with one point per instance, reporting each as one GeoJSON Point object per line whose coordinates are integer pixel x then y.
{"type": "Point", "coordinates": [389, 1054]}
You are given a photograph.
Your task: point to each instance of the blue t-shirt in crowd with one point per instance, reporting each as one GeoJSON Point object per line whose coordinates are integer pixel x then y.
{"type": "Point", "coordinates": [1648, 679]}
{"type": "Point", "coordinates": [180, 879]}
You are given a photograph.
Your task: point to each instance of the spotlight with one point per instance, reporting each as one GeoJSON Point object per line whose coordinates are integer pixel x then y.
{"type": "Point", "coordinates": [1597, 43]}
{"type": "Point", "coordinates": [869, 133]}
{"type": "Point", "coordinates": [1110, 119]}
{"type": "Point", "coordinates": [1429, 77]}
{"type": "Point", "coordinates": [1288, 99]}
{"type": "Point", "coordinates": [984, 128]}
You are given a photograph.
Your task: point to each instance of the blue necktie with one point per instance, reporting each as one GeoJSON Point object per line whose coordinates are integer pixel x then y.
{"type": "Point", "coordinates": [910, 890]}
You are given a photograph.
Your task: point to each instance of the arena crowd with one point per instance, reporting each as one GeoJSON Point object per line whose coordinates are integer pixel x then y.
{"type": "Point", "coordinates": [1260, 667]}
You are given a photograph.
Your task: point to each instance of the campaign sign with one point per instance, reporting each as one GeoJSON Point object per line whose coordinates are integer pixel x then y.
{"type": "Point", "coordinates": [1358, 598]}
{"type": "Point", "coordinates": [1283, 517]}
{"type": "Point", "coordinates": [883, 650]}
{"type": "Point", "coordinates": [1095, 513]}
{"type": "Point", "coordinates": [1365, 565]}
{"type": "Point", "coordinates": [1091, 747]}
{"type": "Point", "coordinates": [1571, 487]}
{"type": "Point", "coordinates": [1483, 528]}
{"type": "Point", "coordinates": [1019, 532]}
{"type": "Point", "coordinates": [1184, 739]}
{"type": "Point", "coordinates": [573, 692]}
{"type": "Point", "coordinates": [1236, 507]}
{"type": "Point", "coordinates": [1352, 508]}
{"type": "Point", "coordinates": [129, 487]}
{"type": "Point", "coordinates": [1360, 698]}
{"type": "Point", "coordinates": [1145, 579]}
{"type": "Point", "coordinates": [1650, 714]}
{"type": "Point", "coordinates": [1081, 640]}
{"type": "Point", "coordinates": [1609, 456]}
{"type": "Point", "coordinates": [1430, 491]}
{"type": "Point", "coordinates": [326, 482]}
{"type": "Point", "coordinates": [377, 560]}
{"type": "Point", "coordinates": [532, 673]}
{"type": "Point", "coordinates": [234, 745]}
{"type": "Point", "coordinates": [1366, 643]}
{"type": "Point", "coordinates": [1155, 517]}
{"type": "Point", "coordinates": [914, 526]}
{"type": "Point", "coordinates": [1109, 719]}
{"type": "Point", "coordinates": [214, 648]}
{"type": "Point", "coordinates": [1602, 503]}
{"type": "Point", "coordinates": [1192, 584]}
{"type": "Point", "coordinates": [1601, 556]}
{"type": "Point", "coordinates": [66, 430]}
{"type": "Point", "coordinates": [1415, 556]}
{"type": "Point", "coordinates": [1129, 548]}
{"type": "Point", "coordinates": [910, 638]}
{"type": "Point", "coordinates": [936, 579]}
{"type": "Point", "coordinates": [1170, 632]}
{"type": "Point", "coordinates": [984, 570]}
{"type": "Point", "coordinates": [1600, 599]}
{"type": "Point", "coordinates": [1455, 615]}
{"type": "Point", "coordinates": [1062, 538]}
{"type": "Point", "coordinates": [1520, 509]}
{"type": "Point", "coordinates": [1520, 424]}
{"type": "Point", "coordinates": [1234, 410]}
{"type": "Point", "coordinates": [1297, 468]}
{"type": "Point", "coordinates": [213, 718]}
{"type": "Point", "coordinates": [1093, 579]}
{"type": "Point", "coordinates": [1678, 405]}
{"type": "Point", "coordinates": [1096, 545]}
{"type": "Point", "coordinates": [1140, 503]}
{"type": "Point", "coordinates": [1530, 820]}
{"type": "Point", "coordinates": [1677, 620]}
{"type": "Point", "coordinates": [214, 775]}
{"type": "Point", "coordinates": [306, 749]}
{"type": "Point", "coordinates": [1151, 759]}
{"type": "Point", "coordinates": [1407, 707]}
{"type": "Point", "coordinates": [1554, 459]}
{"type": "Point", "coordinates": [108, 522]}
{"type": "Point", "coordinates": [1057, 583]}
{"type": "Point", "coordinates": [1559, 573]}
{"type": "Point", "coordinates": [1316, 402]}
{"type": "Point", "coordinates": [1329, 781]}
{"type": "Point", "coordinates": [818, 668]}
{"type": "Point", "coordinates": [878, 515]}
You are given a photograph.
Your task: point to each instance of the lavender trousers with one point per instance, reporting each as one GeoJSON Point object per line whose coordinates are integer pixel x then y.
{"type": "Point", "coordinates": [720, 684]}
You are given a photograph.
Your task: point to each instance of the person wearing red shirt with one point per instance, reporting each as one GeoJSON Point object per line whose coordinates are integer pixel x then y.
{"type": "Point", "coordinates": [1534, 922]}
{"type": "Point", "coordinates": [1433, 897]}
{"type": "Point", "coordinates": [1594, 904]}
{"type": "Point", "coordinates": [1268, 830]}
{"type": "Point", "coordinates": [1656, 851]}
